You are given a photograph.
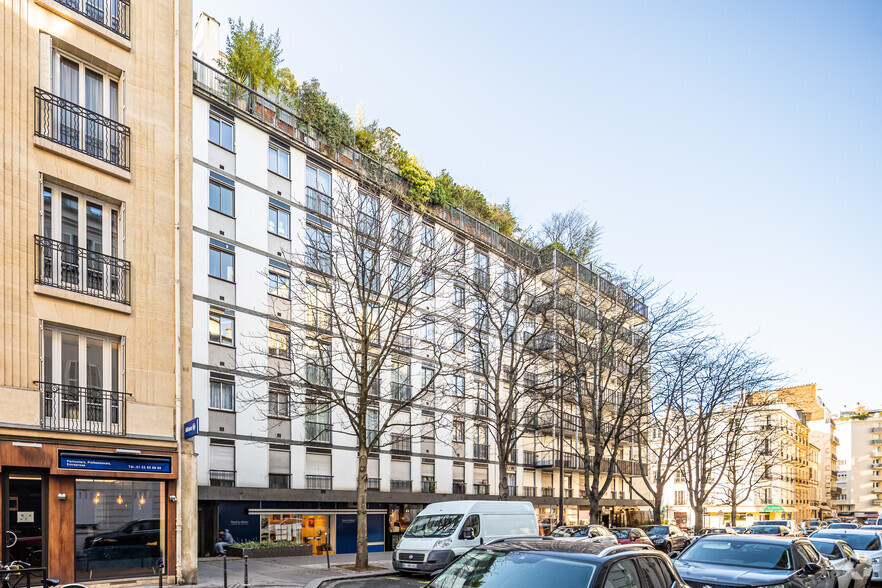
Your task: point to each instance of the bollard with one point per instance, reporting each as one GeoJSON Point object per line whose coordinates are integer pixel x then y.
{"type": "Point", "coordinates": [160, 574]}
{"type": "Point", "coordinates": [225, 570]}
{"type": "Point", "coordinates": [328, 549]}
{"type": "Point", "coordinates": [246, 585]}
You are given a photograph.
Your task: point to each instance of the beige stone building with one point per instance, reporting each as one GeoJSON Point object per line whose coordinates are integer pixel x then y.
{"type": "Point", "coordinates": [861, 463]}
{"type": "Point", "coordinates": [94, 375]}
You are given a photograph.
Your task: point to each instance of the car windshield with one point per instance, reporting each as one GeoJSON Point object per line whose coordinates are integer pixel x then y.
{"type": "Point", "coordinates": [843, 526]}
{"type": "Point", "coordinates": [433, 525]}
{"type": "Point", "coordinates": [860, 541]}
{"type": "Point", "coordinates": [657, 531]}
{"type": "Point", "coordinates": [764, 530]}
{"type": "Point", "coordinates": [743, 554]}
{"type": "Point", "coordinates": [569, 532]}
{"type": "Point", "coordinates": [516, 569]}
{"type": "Point", "coordinates": [620, 533]}
{"type": "Point", "coordinates": [825, 547]}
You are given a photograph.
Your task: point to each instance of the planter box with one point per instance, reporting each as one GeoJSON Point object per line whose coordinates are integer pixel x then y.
{"type": "Point", "coordinates": [287, 551]}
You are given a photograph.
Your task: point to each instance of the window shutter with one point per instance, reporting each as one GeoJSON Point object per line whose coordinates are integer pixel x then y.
{"type": "Point", "coordinates": [279, 461]}
{"type": "Point", "coordinates": [427, 468]}
{"type": "Point", "coordinates": [223, 457]}
{"type": "Point", "coordinates": [481, 476]}
{"type": "Point", "coordinates": [458, 471]}
{"type": "Point", "coordinates": [318, 464]}
{"type": "Point", "coordinates": [400, 470]}
{"type": "Point", "coordinates": [373, 468]}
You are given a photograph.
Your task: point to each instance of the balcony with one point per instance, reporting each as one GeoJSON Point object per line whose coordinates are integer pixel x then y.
{"type": "Point", "coordinates": [400, 444]}
{"type": "Point", "coordinates": [317, 432]}
{"type": "Point", "coordinates": [401, 391]}
{"type": "Point", "coordinates": [512, 490]}
{"type": "Point", "coordinates": [548, 459]}
{"type": "Point", "coordinates": [319, 482]}
{"type": "Point", "coordinates": [529, 491]}
{"type": "Point", "coordinates": [403, 342]}
{"type": "Point", "coordinates": [481, 452]}
{"type": "Point", "coordinates": [280, 481]}
{"type": "Point", "coordinates": [550, 420]}
{"type": "Point", "coordinates": [319, 203]}
{"type": "Point", "coordinates": [459, 487]}
{"type": "Point", "coordinates": [110, 14]}
{"type": "Point", "coordinates": [481, 489]}
{"type": "Point", "coordinates": [876, 502]}
{"type": "Point", "coordinates": [482, 278]}
{"type": "Point", "coordinates": [547, 492]}
{"type": "Point", "coordinates": [79, 270]}
{"type": "Point", "coordinates": [427, 486]}
{"type": "Point", "coordinates": [529, 458]}
{"type": "Point", "coordinates": [876, 441]}
{"type": "Point", "coordinates": [400, 485]}
{"type": "Point", "coordinates": [70, 125]}
{"type": "Point", "coordinates": [373, 483]}
{"type": "Point", "coordinates": [82, 410]}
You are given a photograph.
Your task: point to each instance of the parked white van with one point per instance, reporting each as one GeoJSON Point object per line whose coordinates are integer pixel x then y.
{"type": "Point", "coordinates": [445, 530]}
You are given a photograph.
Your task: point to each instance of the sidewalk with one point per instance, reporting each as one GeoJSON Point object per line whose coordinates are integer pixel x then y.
{"type": "Point", "coordinates": [296, 572]}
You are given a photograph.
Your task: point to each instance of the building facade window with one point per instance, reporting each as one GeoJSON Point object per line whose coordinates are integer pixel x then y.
{"type": "Point", "coordinates": [318, 311]}
{"type": "Point", "coordinates": [279, 401]}
{"type": "Point", "coordinates": [318, 249]}
{"type": "Point", "coordinates": [318, 191]}
{"type": "Point", "coordinates": [459, 251]}
{"type": "Point", "coordinates": [427, 330]}
{"type": "Point", "coordinates": [278, 220]}
{"type": "Point", "coordinates": [222, 462]}
{"type": "Point", "coordinates": [221, 261]}
{"type": "Point", "coordinates": [458, 431]}
{"type": "Point", "coordinates": [459, 385]}
{"type": "Point", "coordinates": [459, 296]}
{"type": "Point", "coordinates": [459, 341]}
{"type": "Point", "coordinates": [428, 286]}
{"type": "Point", "coordinates": [220, 130]}
{"type": "Point", "coordinates": [221, 326]}
{"type": "Point", "coordinates": [279, 340]}
{"type": "Point", "coordinates": [428, 236]}
{"type": "Point", "coordinates": [222, 392]}
{"type": "Point", "coordinates": [279, 282]}
{"type": "Point", "coordinates": [221, 195]}
{"type": "Point", "coordinates": [279, 160]}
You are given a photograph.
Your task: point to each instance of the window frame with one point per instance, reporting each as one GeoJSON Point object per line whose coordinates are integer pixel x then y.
{"type": "Point", "coordinates": [219, 181]}
{"type": "Point", "coordinates": [222, 250]}
{"type": "Point", "coordinates": [222, 314]}
{"type": "Point", "coordinates": [427, 236]}
{"type": "Point", "coordinates": [112, 238]}
{"type": "Point", "coordinates": [274, 393]}
{"type": "Point", "coordinates": [278, 211]}
{"type": "Point", "coordinates": [279, 150]}
{"type": "Point", "coordinates": [215, 378]}
{"type": "Point", "coordinates": [279, 277]}
{"type": "Point", "coordinates": [107, 78]}
{"type": "Point", "coordinates": [278, 329]}
{"type": "Point", "coordinates": [221, 120]}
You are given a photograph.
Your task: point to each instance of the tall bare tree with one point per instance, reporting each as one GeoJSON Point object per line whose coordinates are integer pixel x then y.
{"type": "Point", "coordinates": [367, 301]}
{"type": "Point", "coordinates": [716, 412]}
{"type": "Point", "coordinates": [509, 369]}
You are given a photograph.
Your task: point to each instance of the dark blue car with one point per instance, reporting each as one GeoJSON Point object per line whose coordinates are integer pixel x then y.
{"type": "Point", "coordinates": [754, 560]}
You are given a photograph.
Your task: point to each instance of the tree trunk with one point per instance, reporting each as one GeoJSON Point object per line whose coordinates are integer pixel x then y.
{"type": "Point", "coordinates": [656, 509]}
{"type": "Point", "coordinates": [734, 512]}
{"type": "Point", "coordinates": [503, 478]}
{"type": "Point", "coordinates": [594, 505]}
{"type": "Point", "coordinates": [361, 553]}
{"type": "Point", "coordinates": [699, 517]}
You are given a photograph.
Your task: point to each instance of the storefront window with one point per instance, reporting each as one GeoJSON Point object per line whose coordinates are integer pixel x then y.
{"type": "Point", "coordinates": [400, 516]}
{"type": "Point", "coordinates": [310, 529]}
{"type": "Point", "coordinates": [120, 528]}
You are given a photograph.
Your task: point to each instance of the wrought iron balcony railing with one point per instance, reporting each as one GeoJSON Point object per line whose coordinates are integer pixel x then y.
{"type": "Point", "coordinates": [481, 452]}
{"type": "Point", "coordinates": [427, 486]}
{"type": "Point", "coordinates": [481, 489]}
{"type": "Point", "coordinates": [82, 410]}
{"type": "Point", "coordinates": [400, 444]}
{"type": "Point", "coordinates": [529, 491]}
{"type": "Point", "coordinates": [80, 129]}
{"type": "Point", "coordinates": [459, 487]}
{"type": "Point", "coordinates": [319, 482]}
{"type": "Point", "coordinates": [79, 270]}
{"type": "Point", "coordinates": [373, 484]}
{"type": "Point", "coordinates": [110, 14]}
{"type": "Point", "coordinates": [224, 478]}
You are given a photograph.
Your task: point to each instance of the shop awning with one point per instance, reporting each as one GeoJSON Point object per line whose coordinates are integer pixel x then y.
{"type": "Point", "coordinates": [773, 508]}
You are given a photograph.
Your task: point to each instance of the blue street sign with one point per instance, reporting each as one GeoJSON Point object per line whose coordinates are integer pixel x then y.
{"type": "Point", "coordinates": [191, 428]}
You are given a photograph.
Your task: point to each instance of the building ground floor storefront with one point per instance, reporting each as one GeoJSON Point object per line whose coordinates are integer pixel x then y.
{"type": "Point", "coordinates": [746, 515]}
{"type": "Point", "coordinates": [88, 513]}
{"type": "Point", "coordinates": [328, 518]}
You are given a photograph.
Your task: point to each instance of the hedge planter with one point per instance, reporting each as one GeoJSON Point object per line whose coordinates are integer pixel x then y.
{"type": "Point", "coordinates": [285, 551]}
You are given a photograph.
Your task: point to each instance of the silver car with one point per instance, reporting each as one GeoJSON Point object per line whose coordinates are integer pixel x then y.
{"type": "Point", "coordinates": [863, 542]}
{"type": "Point", "coordinates": [852, 569]}
{"type": "Point", "coordinates": [589, 533]}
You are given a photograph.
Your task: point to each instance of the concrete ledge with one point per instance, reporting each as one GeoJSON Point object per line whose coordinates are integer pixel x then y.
{"type": "Point", "coordinates": [82, 158]}
{"type": "Point", "coordinates": [77, 18]}
{"type": "Point", "coordinates": [82, 298]}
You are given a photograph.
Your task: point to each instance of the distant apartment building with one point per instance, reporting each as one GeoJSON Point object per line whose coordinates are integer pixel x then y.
{"type": "Point", "coordinates": [860, 473]}
{"type": "Point", "coordinates": [786, 486]}
{"type": "Point", "coordinates": [266, 191]}
{"type": "Point", "coordinates": [93, 385]}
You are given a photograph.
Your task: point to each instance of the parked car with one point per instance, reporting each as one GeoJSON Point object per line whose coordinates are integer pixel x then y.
{"type": "Point", "coordinates": [739, 530]}
{"type": "Point", "coordinates": [789, 523]}
{"type": "Point", "coordinates": [521, 563]}
{"type": "Point", "coordinates": [844, 526]}
{"type": "Point", "coordinates": [852, 569]}
{"type": "Point", "coordinates": [629, 535]}
{"type": "Point", "coordinates": [863, 542]}
{"type": "Point", "coordinates": [445, 530]}
{"type": "Point", "coordinates": [743, 561]}
{"type": "Point", "coordinates": [773, 530]}
{"type": "Point", "coordinates": [666, 538]}
{"type": "Point", "coordinates": [590, 533]}
{"type": "Point", "coordinates": [871, 528]}
{"type": "Point", "coordinates": [712, 531]}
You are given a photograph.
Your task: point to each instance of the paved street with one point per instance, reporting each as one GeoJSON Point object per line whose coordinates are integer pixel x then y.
{"type": "Point", "coordinates": [390, 581]}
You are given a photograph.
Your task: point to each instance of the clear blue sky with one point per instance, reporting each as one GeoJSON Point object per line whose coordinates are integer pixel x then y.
{"type": "Point", "coordinates": [732, 149]}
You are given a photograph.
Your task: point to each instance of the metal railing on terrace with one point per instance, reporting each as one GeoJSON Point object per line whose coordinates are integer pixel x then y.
{"type": "Point", "coordinates": [317, 432]}
{"type": "Point", "coordinates": [80, 129]}
{"type": "Point", "coordinates": [79, 270]}
{"type": "Point", "coordinates": [373, 484]}
{"type": "Point", "coordinates": [319, 482]}
{"type": "Point", "coordinates": [110, 14]}
{"type": "Point", "coordinates": [285, 121]}
{"type": "Point", "coordinates": [459, 487]}
{"type": "Point", "coordinates": [82, 410]}
{"type": "Point", "coordinates": [400, 485]}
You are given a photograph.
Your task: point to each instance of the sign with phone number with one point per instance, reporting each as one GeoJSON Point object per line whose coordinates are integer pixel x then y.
{"type": "Point", "coordinates": [113, 463]}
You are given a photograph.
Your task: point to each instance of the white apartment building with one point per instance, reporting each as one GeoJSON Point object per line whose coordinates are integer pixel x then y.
{"type": "Point", "coordinates": [860, 456]}
{"type": "Point", "coordinates": [262, 188]}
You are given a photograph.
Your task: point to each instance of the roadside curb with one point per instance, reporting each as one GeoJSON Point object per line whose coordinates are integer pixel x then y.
{"type": "Point", "coordinates": [328, 582]}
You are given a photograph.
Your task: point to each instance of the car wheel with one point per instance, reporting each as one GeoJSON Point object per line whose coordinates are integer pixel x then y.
{"type": "Point", "coordinates": [666, 548]}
